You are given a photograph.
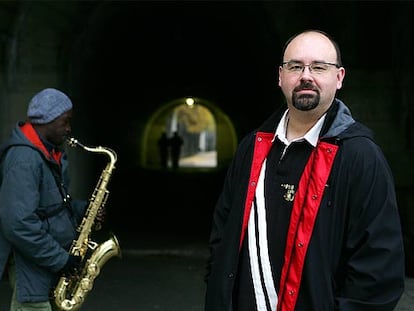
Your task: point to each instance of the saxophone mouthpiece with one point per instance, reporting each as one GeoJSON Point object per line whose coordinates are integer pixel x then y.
{"type": "Point", "coordinates": [72, 141]}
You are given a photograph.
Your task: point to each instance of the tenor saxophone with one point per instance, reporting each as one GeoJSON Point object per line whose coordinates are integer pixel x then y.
{"type": "Point", "coordinates": [71, 291]}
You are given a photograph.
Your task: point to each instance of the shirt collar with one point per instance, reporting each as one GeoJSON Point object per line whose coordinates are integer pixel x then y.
{"type": "Point", "coordinates": [311, 136]}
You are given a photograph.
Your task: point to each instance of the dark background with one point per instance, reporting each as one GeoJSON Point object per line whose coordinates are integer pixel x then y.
{"type": "Point", "coordinates": [120, 61]}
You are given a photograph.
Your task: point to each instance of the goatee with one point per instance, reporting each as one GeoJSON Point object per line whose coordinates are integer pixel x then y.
{"type": "Point", "coordinates": [305, 102]}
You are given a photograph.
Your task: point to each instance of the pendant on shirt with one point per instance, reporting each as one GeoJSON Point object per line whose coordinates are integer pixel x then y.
{"type": "Point", "coordinates": [290, 192]}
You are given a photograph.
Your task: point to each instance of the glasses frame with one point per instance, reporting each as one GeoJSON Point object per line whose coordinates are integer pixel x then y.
{"type": "Point", "coordinates": [310, 65]}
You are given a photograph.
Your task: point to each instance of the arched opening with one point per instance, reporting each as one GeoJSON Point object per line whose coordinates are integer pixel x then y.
{"type": "Point", "coordinates": [208, 137]}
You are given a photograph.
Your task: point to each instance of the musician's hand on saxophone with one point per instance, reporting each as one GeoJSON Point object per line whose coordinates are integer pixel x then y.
{"type": "Point", "coordinates": [72, 265]}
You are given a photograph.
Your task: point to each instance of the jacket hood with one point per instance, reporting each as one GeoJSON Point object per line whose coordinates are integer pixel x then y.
{"type": "Point", "coordinates": [17, 138]}
{"type": "Point", "coordinates": [339, 123]}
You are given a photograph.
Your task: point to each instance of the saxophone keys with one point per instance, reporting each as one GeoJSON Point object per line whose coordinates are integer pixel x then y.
{"type": "Point", "coordinates": [93, 270]}
{"type": "Point", "coordinates": [86, 284]}
{"type": "Point", "coordinates": [92, 245]}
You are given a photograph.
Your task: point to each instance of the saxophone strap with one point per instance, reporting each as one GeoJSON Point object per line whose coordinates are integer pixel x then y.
{"type": "Point", "coordinates": [65, 195]}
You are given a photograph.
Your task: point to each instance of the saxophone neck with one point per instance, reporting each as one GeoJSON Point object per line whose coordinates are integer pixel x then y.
{"type": "Point", "coordinates": [73, 142]}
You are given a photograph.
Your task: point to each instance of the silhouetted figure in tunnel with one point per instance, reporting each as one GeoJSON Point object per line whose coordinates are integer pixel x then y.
{"type": "Point", "coordinates": [176, 143]}
{"type": "Point", "coordinates": [163, 147]}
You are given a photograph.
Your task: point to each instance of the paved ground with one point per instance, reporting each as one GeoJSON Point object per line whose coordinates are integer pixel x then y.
{"type": "Point", "coordinates": [168, 277]}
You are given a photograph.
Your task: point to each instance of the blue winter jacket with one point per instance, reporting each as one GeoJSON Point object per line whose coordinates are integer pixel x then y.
{"type": "Point", "coordinates": [29, 196]}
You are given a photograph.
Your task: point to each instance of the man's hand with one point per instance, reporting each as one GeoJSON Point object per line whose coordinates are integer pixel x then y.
{"type": "Point", "coordinates": [72, 265]}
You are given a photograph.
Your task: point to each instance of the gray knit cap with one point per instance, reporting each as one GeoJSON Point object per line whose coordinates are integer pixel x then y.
{"type": "Point", "coordinates": [47, 105]}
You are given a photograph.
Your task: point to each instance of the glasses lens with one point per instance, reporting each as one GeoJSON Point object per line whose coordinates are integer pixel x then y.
{"type": "Point", "coordinates": [314, 67]}
{"type": "Point", "coordinates": [318, 67]}
{"type": "Point", "coordinates": [294, 66]}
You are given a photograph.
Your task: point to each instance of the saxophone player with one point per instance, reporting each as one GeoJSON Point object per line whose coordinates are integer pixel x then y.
{"type": "Point", "coordinates": [38, 219]}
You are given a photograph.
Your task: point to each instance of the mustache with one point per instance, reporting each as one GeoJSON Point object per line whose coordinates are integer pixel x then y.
{"type": "Point", "coordinates": [305, 86]}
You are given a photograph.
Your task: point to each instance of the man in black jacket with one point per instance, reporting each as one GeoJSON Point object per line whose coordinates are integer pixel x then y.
{"type": "Point", "coordinates": [307, 218]}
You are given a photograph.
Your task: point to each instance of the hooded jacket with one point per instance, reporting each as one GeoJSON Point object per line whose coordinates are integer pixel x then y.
{"type": "Point", "coordinates": [343, 248]}
{"type": "Point", "coordinates": [34, 228]}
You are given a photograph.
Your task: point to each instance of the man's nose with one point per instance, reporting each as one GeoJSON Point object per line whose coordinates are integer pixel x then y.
{"type": "Point", "coordinates": [306, 73]}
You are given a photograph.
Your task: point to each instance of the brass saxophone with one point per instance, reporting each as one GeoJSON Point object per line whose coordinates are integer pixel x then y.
{"type": "Point", "coordinates": [70, 292]}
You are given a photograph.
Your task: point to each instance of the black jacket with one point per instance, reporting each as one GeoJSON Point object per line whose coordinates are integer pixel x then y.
{"type": "Point", "coordinates": [354, 257]}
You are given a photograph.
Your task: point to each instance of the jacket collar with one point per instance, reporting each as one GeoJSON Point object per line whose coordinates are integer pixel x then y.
{"type": "Point", "coordinates": [30, 133]}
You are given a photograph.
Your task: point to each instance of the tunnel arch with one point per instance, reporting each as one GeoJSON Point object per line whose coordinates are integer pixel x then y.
{"type": "Point", "coordinates": [225, 140]}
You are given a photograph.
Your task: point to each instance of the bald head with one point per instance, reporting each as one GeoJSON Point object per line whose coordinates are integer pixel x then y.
{"type": "Point", "coordinates": [325, 39]}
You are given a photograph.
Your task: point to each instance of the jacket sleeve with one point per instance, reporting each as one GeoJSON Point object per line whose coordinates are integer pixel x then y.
{"type": "Point", "coordinates": [230, 205]}
{"type": "Point", "coordinates": [373, 255]}
{"type": "Point", "coordinates": [219, 220]}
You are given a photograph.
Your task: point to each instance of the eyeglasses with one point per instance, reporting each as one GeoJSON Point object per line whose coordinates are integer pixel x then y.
{"type": "Point", "coordinates": [314, 67]}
